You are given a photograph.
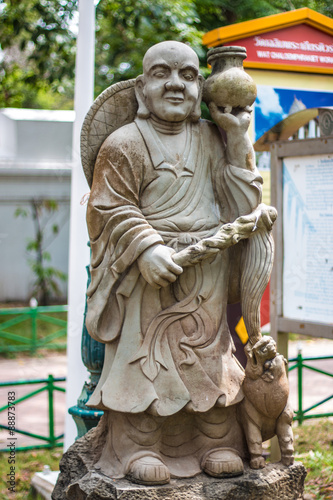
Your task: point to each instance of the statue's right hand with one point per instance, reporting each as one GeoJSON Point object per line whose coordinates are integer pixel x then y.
{"type": "Point", "coordinates": [234, 121]}
{"type": "Point", "coordinates": [157, 267]}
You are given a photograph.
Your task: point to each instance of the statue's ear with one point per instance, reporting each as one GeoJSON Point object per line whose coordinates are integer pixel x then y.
{"type": "Point", "coordinates": [196, 113]}
{"type": "Point", "coordinates": [143, 111]}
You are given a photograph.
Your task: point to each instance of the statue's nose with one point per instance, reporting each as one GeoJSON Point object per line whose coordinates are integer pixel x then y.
{"type": "Point", "coordinates": [175, 84]}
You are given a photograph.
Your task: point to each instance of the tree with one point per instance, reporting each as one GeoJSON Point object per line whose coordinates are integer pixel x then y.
{"type": "Point", "coordinates": [46, 276]}
{"type": "Point", "coordinates": [216, 13]}
{"type": "Point", "coordinates": [127, 28]}
{"type": "Point", "coordinates": [38, 42]}
{"type": "Point", "coordinates": [38, 56]}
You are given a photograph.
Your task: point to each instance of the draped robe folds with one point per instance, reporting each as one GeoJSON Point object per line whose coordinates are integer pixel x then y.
{"type": "Point", "coordinates": [170, 346]}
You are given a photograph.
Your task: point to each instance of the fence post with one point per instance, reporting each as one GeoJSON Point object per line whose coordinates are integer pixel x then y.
{"type": "Point", "coordinates": [300, 386]}
{"type": "Point", "coordinates": [50, 388]}
{"type": "Point", "coordinates": [33, 312]}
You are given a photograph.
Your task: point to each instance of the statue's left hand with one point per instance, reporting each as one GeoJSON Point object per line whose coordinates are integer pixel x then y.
{"type": "Point", "coordinates": [237, 121]}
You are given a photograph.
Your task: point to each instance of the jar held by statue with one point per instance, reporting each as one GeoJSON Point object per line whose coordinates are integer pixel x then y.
{"type": "Point", "coordinates": [228, 85]}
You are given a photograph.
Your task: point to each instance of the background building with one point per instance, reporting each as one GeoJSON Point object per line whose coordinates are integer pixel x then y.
{"type": "Point", "coordinates": [35, 164]}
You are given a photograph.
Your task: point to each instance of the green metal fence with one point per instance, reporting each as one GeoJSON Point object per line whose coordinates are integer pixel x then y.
{"type": "Point", "coordinates": [300, 364]}
{"type": "Point", "coordinates": [49, 386]}
{"type": "Point", "coordinates": [31, 328]}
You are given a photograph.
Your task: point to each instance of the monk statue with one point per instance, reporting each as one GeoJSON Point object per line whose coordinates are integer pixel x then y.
{"type": "Point", "coordinates": [177, 231]}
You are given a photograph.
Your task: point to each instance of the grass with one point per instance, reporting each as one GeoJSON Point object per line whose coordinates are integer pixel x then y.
{"type": "Point", "coordinates": [27, 463]}
{"type": "Point", "coordinates": [313, 444]}
{"type": "Point", "coordinates": [314, 447]}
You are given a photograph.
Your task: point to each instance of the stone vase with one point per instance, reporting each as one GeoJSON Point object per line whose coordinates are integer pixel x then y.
{"type": "Point", "coordinates": [229, 86]}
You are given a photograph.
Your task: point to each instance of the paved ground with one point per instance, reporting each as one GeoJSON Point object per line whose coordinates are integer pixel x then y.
{"type": "Point", "coordinates": [32, 415]}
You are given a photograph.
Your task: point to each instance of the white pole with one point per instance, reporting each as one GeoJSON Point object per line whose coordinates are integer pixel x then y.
{"type": "Point", "coordinates": [78, 250]}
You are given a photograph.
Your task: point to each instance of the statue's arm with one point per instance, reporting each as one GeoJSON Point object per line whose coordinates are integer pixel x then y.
{"type": "Point", "coordinates": [118, 231]}
{"type": "Point", "coordinates": [239, 150]}
{"type": "Point", "coordinates": [237, 185]}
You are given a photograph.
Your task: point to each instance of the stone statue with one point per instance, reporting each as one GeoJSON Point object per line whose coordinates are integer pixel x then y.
{"type": "Point", "coordinates": [265, 410]}
{"type": "Point", "coordinates": [177, 231]}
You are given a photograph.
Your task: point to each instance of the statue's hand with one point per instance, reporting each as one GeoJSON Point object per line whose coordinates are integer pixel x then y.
{"type": "Point", "coordinates": [267, 217]}
{"type": "Point", "coordinates": [157, 267]}
{"type": "Point", "coordinates": [237, 121]}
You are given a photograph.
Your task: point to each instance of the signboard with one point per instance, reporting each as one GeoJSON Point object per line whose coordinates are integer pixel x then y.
{"type": "Point", "coordinates": [274, 104]}
{"type": "Point", "coordinates": [302, 278]}
{"type": "Point", "coordinates": [297, 48]}
{"type": "Point", "coordinates": [308, 238]}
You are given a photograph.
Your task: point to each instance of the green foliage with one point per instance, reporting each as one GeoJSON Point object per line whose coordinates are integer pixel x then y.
{"type": "Point", "coordinates": [216, 13]}
{"type": "Point", "coordinates": [47, 277]}
{"type": "Point", "coordinates": [127, 28]}
{"type": "Point", "coordinates": [38, 43]}
{"type": "Point", "coordinates": [17, 91]}
{"type": "Point", "coordinates": [39, 52]}
{"type": "Point", "coordinates": [322, 6]}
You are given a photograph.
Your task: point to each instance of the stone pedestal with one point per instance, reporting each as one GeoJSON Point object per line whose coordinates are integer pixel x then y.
{"type": "Point", "coordinates": [275, 481]}
{"type": "Point", "coordinates": [79, 480]}
{"type": "Point", "coordinates": [42, 483]}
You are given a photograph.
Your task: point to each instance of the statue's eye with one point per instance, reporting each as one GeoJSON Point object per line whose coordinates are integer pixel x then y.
{"type": "Point", "coordinates": [160, 74]}
{"type": "Point", "coordinates": [188, 75]}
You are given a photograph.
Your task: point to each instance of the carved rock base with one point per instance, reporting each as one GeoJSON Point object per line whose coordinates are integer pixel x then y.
{"type": "Point", "coordinates": [79, 480]}
{"type": "Point", "coordinates": [275, 481]}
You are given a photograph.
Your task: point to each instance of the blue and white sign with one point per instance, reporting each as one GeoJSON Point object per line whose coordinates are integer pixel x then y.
{"type": "Point", "coordinates": [308, 238]}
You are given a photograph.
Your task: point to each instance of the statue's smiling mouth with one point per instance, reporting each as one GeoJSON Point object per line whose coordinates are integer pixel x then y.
{"type": "Point", "coordinates": [174, 99]}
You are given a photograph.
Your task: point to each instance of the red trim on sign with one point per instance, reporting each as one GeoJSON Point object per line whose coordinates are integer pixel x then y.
{"type": "Point", "coordinates": [300, 48]}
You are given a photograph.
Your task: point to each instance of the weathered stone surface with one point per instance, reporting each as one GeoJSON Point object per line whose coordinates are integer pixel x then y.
{"type": "Point", "coordinates": [275, 481]}
{"type": "Point", "coordinates": [79, 459]}
{"type": "Point", "coordinates": [228, 85]}
{"type": "Point", "coordinates": [177, 231]}
{"type": "Point", "coordinates": [81, 480]}
{"type": "Point", "coordinates": [43, 483]}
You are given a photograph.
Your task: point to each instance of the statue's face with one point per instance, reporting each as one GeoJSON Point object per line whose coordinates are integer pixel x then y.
{"type": "Point", "coordinates": [171, 83]}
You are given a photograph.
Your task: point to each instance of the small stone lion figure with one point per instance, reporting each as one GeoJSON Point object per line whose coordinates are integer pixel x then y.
{"type": "Point", "coordinates": [265, 410]}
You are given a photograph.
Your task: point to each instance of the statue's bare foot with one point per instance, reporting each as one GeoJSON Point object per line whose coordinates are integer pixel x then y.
{"type": "Point", "coordinates": [257, 462]}
{"type": "Point", "coordinates": [223, 462]}
{"type": "Point", "coordinates": [148, 470]}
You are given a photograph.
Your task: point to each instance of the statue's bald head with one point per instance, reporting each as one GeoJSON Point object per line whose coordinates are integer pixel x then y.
{"type": "Point", "coordinates": [169, 49]}
{"type": "Point", "coordinates": [170, 87]}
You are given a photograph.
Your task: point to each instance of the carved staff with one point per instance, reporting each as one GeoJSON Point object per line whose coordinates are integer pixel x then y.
{"type": "Point", "coordinates": [258, 259]}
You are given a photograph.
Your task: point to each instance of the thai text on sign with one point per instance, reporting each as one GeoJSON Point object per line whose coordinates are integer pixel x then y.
{"type": "Point", "coordinates": [299, 45]}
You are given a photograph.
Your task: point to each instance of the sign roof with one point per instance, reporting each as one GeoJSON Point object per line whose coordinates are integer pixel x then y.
{"type": "Point", "coordinates": [237, 31]}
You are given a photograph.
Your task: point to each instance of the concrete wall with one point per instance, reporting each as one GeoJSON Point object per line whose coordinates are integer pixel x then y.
{"type": "Point", "coordinates": [35, 162]}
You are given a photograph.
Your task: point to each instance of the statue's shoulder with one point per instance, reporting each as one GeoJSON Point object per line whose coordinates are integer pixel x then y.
{"type": "Point", "coordinates": [207, 126]}
{"type": "Point", "coordinates": [210, 132]}
{"type": "Point", "coordinates": [125, 137]}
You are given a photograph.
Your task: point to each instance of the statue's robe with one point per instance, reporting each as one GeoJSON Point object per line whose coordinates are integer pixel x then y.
{"type": "Point", "coordinates": [169, 346]}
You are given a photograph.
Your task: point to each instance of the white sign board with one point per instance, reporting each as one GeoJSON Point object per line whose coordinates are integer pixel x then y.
{"type": "Point", "coordinates": [308, 238]}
